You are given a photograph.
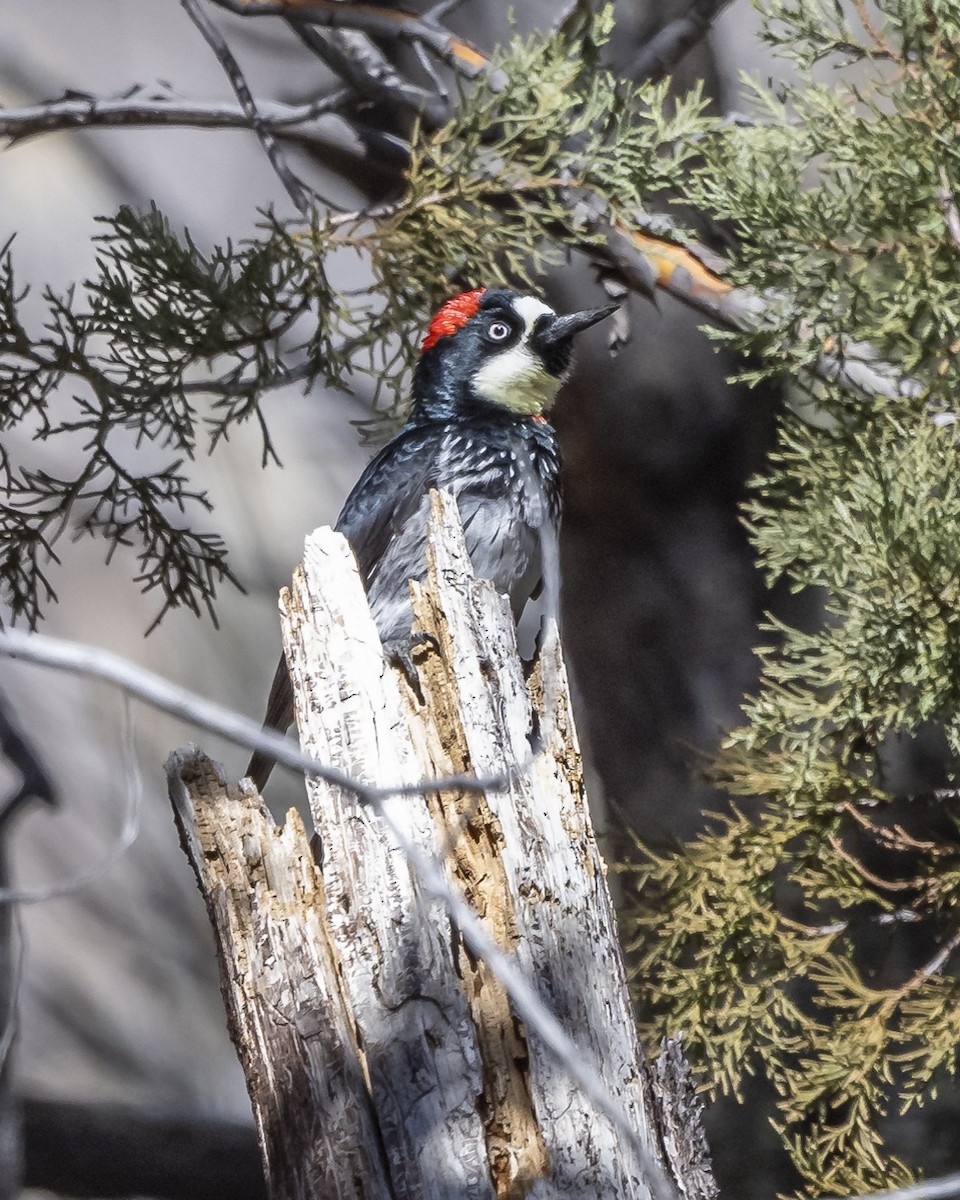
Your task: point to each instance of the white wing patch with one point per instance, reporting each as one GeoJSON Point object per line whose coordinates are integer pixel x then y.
{"type": "Point", "coordinates": [516, 379]}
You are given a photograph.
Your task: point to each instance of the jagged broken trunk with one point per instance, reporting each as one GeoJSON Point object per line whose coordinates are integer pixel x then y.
{"type": "Point", "coordinates": [382, 1057]}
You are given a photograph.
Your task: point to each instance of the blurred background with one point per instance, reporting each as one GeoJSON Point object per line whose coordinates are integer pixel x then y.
{"type": "Point", "coordinates": [119, 1000]}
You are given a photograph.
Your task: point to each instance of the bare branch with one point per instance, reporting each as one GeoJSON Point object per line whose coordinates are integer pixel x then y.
{"type": "Point", "coordinates": [143, 106]}
{"type": "Point", "coordinates": [354, 57]}
{"type": "Point", "coordinates": [926, 1189]}
{"type": "Point", "coordinates": [271, 147]}
{"type": "Point", "coordinates": [160, 693]}
{"type": "Point", "coordinates": [646, 261]}
{"type": "Point", "coordinates": [374, 20]}
{"type": "Point", "coordinates": [668, 46]}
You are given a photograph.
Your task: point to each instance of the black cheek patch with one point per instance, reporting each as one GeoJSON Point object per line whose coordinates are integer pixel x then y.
{"type": "Point", "coordinates": [557, 358]}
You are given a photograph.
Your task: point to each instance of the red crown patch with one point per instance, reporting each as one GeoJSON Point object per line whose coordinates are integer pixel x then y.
{"type": "Point", "coordinates": [452, 316]}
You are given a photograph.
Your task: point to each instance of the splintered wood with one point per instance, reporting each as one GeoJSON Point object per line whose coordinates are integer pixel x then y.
{"type": "Point", "coordinates": [382, 1057]}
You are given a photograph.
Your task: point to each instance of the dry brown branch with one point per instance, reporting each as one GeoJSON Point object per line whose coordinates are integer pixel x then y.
{"type": "Point", "coordinates": [880, 43]}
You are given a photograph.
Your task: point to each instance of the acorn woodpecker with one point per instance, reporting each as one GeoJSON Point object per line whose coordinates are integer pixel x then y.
{"type": "Point", "coordinates": [490, 367]}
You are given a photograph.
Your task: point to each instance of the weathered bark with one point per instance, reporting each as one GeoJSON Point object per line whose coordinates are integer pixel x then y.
{"type": "Point", "coordinates": [382, 1057]}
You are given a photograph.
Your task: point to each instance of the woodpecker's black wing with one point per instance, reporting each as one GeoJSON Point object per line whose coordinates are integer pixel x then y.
{"type": "Point", "coordinates": [383, 499]}
{"type": "Point", "coordinates": [390, 491]}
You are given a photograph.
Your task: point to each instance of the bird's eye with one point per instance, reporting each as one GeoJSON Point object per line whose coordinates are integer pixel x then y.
{"type": "Point", "coordinates": [499, 331]}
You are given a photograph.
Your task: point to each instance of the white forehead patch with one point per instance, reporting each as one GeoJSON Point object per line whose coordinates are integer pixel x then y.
{"type": "Point", "coordinates": [516, 379]}
{"type": "Point", "coordinates": [529, 308]}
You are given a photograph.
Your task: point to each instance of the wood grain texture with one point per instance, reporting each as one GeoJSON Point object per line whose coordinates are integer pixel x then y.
{"type": "Point", "coordinates": [371, 1036]}
{"type": "Point", "coordinates": [280, 985]}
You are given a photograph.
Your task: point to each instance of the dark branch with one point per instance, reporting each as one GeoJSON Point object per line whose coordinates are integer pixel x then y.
{"type": "Point", "coordinates": [359, 63]}
{"type": "Point", "coordinates": [142, 107]}
{"type": "Point", "coordinates": [380, 22]}
{"type": "Point", "coordinates": [668, 46]}
{"type": "Point", "coordinates": [271, 147]}
{"type": "Point", "coordinates": [35, 784]}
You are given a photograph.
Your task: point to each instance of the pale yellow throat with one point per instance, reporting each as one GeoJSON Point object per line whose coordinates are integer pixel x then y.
{"type": "Point", "coordinates": [517, 381]}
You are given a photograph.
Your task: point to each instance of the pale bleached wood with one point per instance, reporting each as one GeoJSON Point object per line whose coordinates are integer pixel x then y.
{"type": "Point", "coordinates": [280, 985]}
{"type": "Point", "coordinates": [396, 958]}
{"type": "Point", "coordinates": [465, 1101]}
{"type": "Point", "coordinates": [554, 898]}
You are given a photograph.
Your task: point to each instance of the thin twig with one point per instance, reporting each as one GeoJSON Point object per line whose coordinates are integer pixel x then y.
{"type": "Point", "coordinates": [885, 885]}
{"type": "Point", "coordinates": [896, 838]}
{"type": "Point", "coordinates": [271, 147]}
{"type": "Point", "coordinates": [933, 966]}
{"type": "Point", "coordinates": [433, 75]}
{"type": "Point", "coordinates": [157, 107]}
{"type": "Point", "coordinates": [160, 693]}
{"type": "Point", "coordinates": [880, 43]}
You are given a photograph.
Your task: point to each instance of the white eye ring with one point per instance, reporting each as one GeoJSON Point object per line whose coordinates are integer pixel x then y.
{"type": "Point", "coordinates": [499, 331]}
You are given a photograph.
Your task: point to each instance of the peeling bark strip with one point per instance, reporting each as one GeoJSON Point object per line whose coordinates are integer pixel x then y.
{"type": "Point", "coordinates": [382, 1058]}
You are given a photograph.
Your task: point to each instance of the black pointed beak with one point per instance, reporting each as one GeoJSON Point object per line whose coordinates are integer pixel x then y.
{"type": "Point", "coordinates": [552, 337]}
{"type": "Point", "coordinates": [563, 329]}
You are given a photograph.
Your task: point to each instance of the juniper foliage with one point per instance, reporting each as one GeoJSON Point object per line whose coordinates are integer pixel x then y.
{"type": "Point", "coordinates": [122, 365]}
{"type": "Point", "coordinates": [812, 934]}
{"type": "Point", "coordinates": [166, 348]}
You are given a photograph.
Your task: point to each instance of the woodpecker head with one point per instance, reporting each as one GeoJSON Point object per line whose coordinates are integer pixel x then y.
{"type": "Point", "coordinates": [497, 350]}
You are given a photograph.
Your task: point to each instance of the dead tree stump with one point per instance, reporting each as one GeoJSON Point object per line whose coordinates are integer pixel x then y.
{"type": "Point", "coordinates": [382, 1057]}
